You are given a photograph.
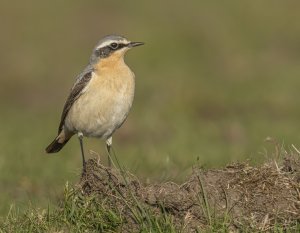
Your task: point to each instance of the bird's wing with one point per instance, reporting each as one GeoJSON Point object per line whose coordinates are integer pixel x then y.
{"type": "Point", "coordinates": [81, 82]}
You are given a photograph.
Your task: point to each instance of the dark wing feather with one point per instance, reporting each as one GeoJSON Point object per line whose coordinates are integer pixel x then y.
{"type": "Point", "coordinates": [81, 82]}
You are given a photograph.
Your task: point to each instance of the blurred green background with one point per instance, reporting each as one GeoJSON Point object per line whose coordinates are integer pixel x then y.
{"type": "Point", "coordinates": [214, 79]}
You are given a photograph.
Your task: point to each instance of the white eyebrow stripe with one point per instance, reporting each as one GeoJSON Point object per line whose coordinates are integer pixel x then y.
{"type": "Point", "coordinates": [108, 42]}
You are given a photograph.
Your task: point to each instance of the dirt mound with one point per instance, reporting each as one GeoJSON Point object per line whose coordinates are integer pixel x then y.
{"type": "Point", "coordinates": [242, 196]}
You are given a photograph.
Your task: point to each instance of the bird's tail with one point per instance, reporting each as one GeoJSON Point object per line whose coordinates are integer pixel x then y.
{"type": "Point", "coordinates": [58, 143]}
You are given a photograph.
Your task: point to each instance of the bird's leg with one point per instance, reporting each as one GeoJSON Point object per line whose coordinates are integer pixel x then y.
{"type": "Point", "coordinates": [80, 137]}
{"type": "Point", "coordinates": [108, 147]}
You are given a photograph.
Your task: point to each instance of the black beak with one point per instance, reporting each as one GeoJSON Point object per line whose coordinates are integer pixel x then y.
{"type": "Point", "coordinates": [134, 44]}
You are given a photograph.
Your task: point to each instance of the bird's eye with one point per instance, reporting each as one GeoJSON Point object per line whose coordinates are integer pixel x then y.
{"type": "Point", "coordinates": [114, 45]}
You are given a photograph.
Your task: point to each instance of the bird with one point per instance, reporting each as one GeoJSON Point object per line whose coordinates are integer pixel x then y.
{"type": "Point", "coordinates": [101, 98]}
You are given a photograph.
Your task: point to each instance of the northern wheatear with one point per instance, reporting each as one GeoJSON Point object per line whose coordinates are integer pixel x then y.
{"type": "Point", "coordinates": [101, 97]}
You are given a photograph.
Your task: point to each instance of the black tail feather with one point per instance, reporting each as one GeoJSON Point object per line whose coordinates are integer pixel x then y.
{"type": "Point", "coordinates": [55, 146]}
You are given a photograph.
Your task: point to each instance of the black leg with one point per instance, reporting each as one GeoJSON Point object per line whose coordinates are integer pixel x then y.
{"type": "Point", "coordinates": [80, 136]}
{"type": "Point", "coordinates": [108, 147]}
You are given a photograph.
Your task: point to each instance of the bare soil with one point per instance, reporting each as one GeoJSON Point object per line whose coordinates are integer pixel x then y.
{"type": "Point", "coordinates": [239, 195]}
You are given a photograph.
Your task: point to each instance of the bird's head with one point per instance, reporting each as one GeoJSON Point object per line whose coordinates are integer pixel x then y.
{"type": "Point", "coordinates": [112, 47]}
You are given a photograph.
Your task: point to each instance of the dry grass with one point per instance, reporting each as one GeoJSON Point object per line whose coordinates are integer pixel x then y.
{"type": "Point", "coordinates": [239, 196]}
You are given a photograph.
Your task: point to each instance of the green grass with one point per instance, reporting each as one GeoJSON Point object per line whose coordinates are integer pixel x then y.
{"type": "Point", "coordinates": [82, 213]}
{"type": "Point", "coordinates": [78, 213]}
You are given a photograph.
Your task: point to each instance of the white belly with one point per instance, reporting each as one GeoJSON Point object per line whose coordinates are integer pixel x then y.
{"type": "Point", "coordinates": [102, 108]}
